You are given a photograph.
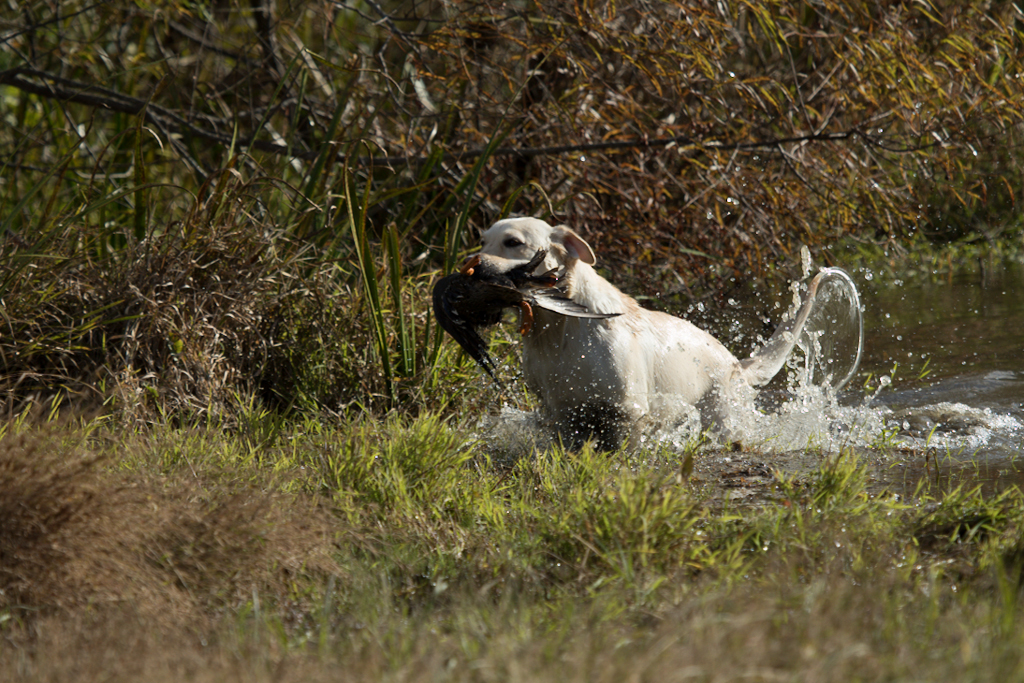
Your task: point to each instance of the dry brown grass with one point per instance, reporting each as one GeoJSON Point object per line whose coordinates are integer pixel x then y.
{"type": "Point", "coordinates": [190, 322]}
{"type": "Point", "coordinates": [79, 536]}
{"type": "Point", "coordinates": [829, 630]}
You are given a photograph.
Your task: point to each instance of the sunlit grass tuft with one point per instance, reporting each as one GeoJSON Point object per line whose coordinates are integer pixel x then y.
{"type": "Point", "coordinates": [397, 546]}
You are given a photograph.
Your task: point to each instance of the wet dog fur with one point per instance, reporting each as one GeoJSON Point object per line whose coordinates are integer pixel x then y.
{"type": "Point", "coordinates": [611, 379]}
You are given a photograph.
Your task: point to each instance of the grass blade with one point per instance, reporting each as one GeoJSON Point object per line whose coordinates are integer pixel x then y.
{"type": "Point", "coordinates": [368, 273]}
{"type": "Point", "coordinates": [406, 334]}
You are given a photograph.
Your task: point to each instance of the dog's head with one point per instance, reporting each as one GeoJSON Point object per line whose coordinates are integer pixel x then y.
{"type": "Point", "coordinates": [520, 238]}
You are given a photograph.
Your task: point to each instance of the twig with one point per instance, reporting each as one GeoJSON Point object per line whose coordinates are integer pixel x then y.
{"type": "Point", "coordinates": [82, 93]}
{"type": "Point", "coordinates": [55, 20]}
{"type": "Point", "coordinates": [56, 87]}
{"type": "Point", "coordinates": [263, 15]}
{"type": "Point", "coordinates": [206, 44]}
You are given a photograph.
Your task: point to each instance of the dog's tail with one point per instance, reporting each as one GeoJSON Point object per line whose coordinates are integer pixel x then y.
{"type": "Point", "coordinates": [828, 326]}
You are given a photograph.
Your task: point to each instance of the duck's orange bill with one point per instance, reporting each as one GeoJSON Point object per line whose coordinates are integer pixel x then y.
{"type": "Point", "coordinates": [526, 319]}
{"type": "Point", "coordinates": [469, 265]}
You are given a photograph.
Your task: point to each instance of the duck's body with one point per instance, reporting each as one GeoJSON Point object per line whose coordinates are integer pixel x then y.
{"type": "Point", "coordinates": [475, 296]}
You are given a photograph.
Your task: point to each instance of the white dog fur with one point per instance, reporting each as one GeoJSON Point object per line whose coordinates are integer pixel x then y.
{"type": "Point", "coordinates": [611, 378]}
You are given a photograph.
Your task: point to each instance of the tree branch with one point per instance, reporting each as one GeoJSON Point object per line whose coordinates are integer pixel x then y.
{"type": "Point", "coordinates": [56, 87]}
{"type": "Point", "coordinates": [65, 90]}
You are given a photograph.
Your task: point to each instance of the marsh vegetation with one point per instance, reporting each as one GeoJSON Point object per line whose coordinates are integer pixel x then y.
{"type": "Point", "coordinates": [237, 447]}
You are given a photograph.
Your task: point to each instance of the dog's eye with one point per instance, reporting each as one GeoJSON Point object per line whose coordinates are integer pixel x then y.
{"type": "Point", "coordinates": [512, 242]}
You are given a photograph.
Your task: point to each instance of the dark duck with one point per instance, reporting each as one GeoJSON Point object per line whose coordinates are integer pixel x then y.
{"type": "Point", "coordinates": [475, 296]}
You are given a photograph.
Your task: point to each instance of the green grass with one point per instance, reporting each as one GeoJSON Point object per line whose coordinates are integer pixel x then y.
{"type": "Point", "coordinates": [398, 550]}
{"type": "Point", "coordinates": [235, 446]}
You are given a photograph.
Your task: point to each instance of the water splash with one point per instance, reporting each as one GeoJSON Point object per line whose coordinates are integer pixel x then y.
{"type": "Point", "coordinates": [514, 434]}
{"type": "Point", "coordinates": [806, 413]}
{"type": "Point", "coordinates": [832, 340]}
{"type": "Point", "coordinates": [954, 426]}
{"type": "Point", "coordinates": [807, 406]}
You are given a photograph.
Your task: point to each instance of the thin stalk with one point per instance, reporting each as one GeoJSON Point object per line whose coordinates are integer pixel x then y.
{"type": "Point", "coordinates": [371, 287]}
{"type": "Point", "coordinates": [406, 332]}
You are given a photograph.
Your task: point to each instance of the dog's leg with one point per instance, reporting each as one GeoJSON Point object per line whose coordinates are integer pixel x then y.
{"type": "Point", "coordinates": [606, 424]}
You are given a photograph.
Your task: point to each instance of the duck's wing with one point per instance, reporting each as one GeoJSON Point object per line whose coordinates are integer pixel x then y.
{"type": "Point", "coordinates": [555, 300]}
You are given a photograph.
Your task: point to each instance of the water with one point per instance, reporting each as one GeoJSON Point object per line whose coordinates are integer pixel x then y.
{"type": "Point", "coordinates": [940, 386]}
{"type": "Point", "coordinates": [957, 344]}
{"type": "Point", "coordinates": [968, 325]}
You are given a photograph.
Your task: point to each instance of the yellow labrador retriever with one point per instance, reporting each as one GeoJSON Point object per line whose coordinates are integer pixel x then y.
{"type": "Point", "coordinates": [610, 378]}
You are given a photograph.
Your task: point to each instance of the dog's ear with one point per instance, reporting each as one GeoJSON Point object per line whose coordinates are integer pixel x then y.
{"type": "Point", "coordinates": [574, 245]}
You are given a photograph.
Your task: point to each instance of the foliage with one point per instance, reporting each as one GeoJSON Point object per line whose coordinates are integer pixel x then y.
{"type": "Point", "coordinates": [348, 153]}
{"type": "Point", "coordinates": [736, 130]}
{"type": "Point", "coordinates": [399, 550]}
{"type": "Point", "coordinates": [228, 215]}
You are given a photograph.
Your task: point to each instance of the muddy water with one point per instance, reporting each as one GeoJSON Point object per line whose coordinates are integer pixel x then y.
{"type": "Point", "coordinates": [965, 325]}
{"type": "Point", "coordinates": [939, 396]}
{"type": "Point", "coordinates": [957, 395]}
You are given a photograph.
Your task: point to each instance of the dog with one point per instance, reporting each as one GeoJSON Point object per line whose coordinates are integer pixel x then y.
{"type": "Point", "coordinates": [610, 379]}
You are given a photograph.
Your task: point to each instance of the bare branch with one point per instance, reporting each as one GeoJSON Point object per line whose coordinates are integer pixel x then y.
{"type": "Point", "coordinates": [81, 93]}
